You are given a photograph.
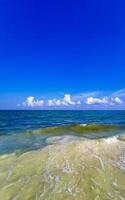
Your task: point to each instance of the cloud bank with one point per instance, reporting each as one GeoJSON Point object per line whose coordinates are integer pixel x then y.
{"type": "Point", "coordinates": [78, 101]}
{"type": "Point", "coordinates": [66, 101]}
{"type": "Point", "coordinates": [104, 100]}
{"type": "Point", "coordinates": [31, 102]}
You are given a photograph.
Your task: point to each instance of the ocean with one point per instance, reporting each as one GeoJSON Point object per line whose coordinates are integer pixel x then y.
{"type": "Point", "coordinates": [18, 121]}
{"type": "Point", "coordinates": [62, 155]}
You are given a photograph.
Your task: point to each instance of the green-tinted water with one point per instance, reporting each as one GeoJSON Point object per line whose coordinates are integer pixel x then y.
{"type": "Point", "coordinates": [69, 168]}
{"type": "Point", "coordinates": [70, 156]}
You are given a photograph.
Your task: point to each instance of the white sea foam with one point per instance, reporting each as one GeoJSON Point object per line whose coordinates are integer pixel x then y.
{"type": "Point", "coordinates": [63, 139]}
{"type": "Point", "coordinates": [83, 124]}
{"type": "Point", "coordinates": [111, 140]}
{"type": "Point", "coordinates": [121, 162]}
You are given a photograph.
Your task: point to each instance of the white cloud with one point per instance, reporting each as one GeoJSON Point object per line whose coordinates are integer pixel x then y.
{"type": "Point", "coordinates": [117, 100]}
{"type": "Point", "coordinates": [104, 100]}
{"type": "Point", "coordinates": [54, 102]}
{"type": "Point", "coordinates": [92, 100]}
{"type": "Point", "coordinates": [32, 102]}
{"type": "Point", "coordinates": [76, 100]}
{"type": "Point", "coordinates": [66, 101]}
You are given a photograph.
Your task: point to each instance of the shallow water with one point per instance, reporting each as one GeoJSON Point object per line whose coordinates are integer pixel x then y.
{"type": "Point", "coordinates": [77, 161]}
{"type": "Point", "coordinates": [69, 168]}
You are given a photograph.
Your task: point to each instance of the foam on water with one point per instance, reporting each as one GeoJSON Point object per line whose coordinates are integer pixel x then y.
{"type": "Point", "coordinates": [83, 125]}
{"type": "Point", "coordinates": [62, 155]}
{"type": "Point", "coordinates": [63, 139]}
{"type": "Point", "coordinates": [72, 170]}
{"type": "Point", "coordinates": [111, 140]}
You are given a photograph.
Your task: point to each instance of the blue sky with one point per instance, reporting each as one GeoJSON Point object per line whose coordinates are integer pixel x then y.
{"type": "Point", "coordinates": [50, 49]}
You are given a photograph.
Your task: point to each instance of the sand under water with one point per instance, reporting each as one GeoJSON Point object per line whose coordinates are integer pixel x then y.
{"type": "Point", "coordinates": [78, 162]}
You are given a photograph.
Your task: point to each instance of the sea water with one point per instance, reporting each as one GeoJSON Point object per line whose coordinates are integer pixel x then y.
{"type": "Point", "coordinates": [55, 155]}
